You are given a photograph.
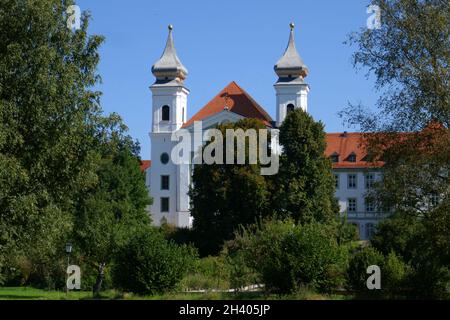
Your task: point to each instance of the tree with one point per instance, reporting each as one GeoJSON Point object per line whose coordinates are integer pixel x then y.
{"type": "Point", "coordinates": [114, 209]}
{"type": "Point", "coordinates": [357, 270]}
{"type": "Point", "coordinates": [305, 184]}
{"type": "Point", "coordinates": [226, 196]}
{"type": "Point", "coordinates": [149, 264]}
{"type": "Point", "coordinates": [47, 111]}
{"type": "Point", "coordinates": [409, 132]}
{"type": "Point", "coordinates": [409, 57]}
{"type": "Point", "coordinates": [286, 256]}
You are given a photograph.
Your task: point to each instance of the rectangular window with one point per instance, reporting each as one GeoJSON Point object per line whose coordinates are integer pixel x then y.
{"type": "Point", "coordinates": [434, 199]}
{"type": "Point", "coordinates": [370, 179]}
{"type": "Point", "coordinates": [164, 204]}
{"type": "Point", "coordinates": [164, 182]}
{"type": "Point", "coordinates": [370, 206]}
{"type": "Point", "coordinates": [351, 181]}
{"type": "Point", "coordinates": [336, 181]}
{"type": "Point", "coordinates": [351, 205]}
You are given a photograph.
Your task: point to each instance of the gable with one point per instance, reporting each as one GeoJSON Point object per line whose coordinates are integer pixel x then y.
{"type": "Point", "coordinates": [232, 99]}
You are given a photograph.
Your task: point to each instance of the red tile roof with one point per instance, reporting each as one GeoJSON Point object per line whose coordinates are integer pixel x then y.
{"type": "Point", "coordinates": [237, 101]}
{"type": "Point", "coordinates": [145, 164]}
{"type": "Point", "coordinates": [343, 145]}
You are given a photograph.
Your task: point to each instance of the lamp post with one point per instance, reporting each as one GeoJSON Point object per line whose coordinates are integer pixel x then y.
{"type": "Point", "coordinates": [68, 251]}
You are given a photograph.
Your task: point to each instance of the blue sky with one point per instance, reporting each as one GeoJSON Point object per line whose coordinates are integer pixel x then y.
{"type": "Point", "coordinates": [222, 41]}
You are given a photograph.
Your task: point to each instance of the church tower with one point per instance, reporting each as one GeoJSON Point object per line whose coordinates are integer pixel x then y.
{"type": "Point", "coordinates": [291, 89]}
{"type": "Point", "coordinates": [169, 110]}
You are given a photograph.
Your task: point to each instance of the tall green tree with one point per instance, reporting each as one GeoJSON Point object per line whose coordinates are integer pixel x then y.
{"type": "Point", "coordinates": [114, 209]}
{"type": "Point", "coordinates": [409, 130]}
{"type": "Point", "coordinates": [226, 196]}
{"type": "Point", "coordinates": [409, 56]}
{"type": "Point", "coordinates": [305, 184]}
{"type": "Point", "coordinates": [47, 110]}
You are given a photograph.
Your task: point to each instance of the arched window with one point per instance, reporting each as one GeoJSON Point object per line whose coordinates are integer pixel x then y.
{"type": "Point", "coordinates": [165, 113]}
{"type": "Point", "coordinates": [290, 107]}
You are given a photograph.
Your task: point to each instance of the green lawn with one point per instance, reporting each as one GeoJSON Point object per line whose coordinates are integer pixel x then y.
{"type": "Point", "coordinates": [27, 293]}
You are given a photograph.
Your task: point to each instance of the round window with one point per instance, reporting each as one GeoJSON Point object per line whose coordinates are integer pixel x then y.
{"type": "Point", "coordinates": [164, 158]}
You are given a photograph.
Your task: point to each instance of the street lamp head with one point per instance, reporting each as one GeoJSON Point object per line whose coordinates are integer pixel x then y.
{"type": "Point", "coordinates": [68, 247]}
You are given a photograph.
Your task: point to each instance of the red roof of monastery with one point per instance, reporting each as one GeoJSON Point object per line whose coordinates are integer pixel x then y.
{"type": "Point", "coordinates": [234, 99]}
{"type": "Point", "coordinates": [344, 145]}
{"type": "Point", "coordinates": [145, 164]}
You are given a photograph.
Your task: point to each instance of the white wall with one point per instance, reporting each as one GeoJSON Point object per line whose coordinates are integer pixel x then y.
{"type": "Point", "coordinates": [362, 218]}
{"type": "Point", "coordinates": [296, 94]}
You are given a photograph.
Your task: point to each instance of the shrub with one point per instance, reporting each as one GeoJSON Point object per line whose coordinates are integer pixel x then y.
{"type": "Point", "coordinates": [148, 264]}
{"type": "Point", "coordinates": [428, 280]}
{"type": "Point", "coordinates": [399, 233]}
{"type": "Point", "coordinates": [346, 232]}
{"type": "Point", "coordinates": [241, 273]}
{"type": "Point", "coordinates": [289, 256]}
{"type": "Point", "coordinates": [394, 276]}
{"type": "Point", "coordinates": [207, 273]}
{"type": "Point", "coordinates": [357, 270]}
{"type": "Point", "coordinates": [423, 244]}
{"type": "Point", "coordinates": [312, 258]}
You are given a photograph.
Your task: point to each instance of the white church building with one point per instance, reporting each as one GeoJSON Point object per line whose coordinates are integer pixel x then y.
{"type": "Point", "coordinates": [169, 183]}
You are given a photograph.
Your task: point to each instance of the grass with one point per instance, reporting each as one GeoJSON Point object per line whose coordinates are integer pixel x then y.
{"type": "Point", "coordinates": [27, 293]}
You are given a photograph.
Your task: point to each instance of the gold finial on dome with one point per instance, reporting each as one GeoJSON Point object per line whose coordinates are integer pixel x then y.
{"type": "Point", "coordinates": [170, 27]}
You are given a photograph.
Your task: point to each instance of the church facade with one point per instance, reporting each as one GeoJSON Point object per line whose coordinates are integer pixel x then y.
{"type": "Point", "coordinates": [168, 183]}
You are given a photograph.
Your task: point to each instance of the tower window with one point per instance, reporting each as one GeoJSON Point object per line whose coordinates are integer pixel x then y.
{"type": "Point", "coordinates": [290, 107]}
{"type": "Point", "coordinates": [164, 204]}
{"type": "Point", "coordinates": [165, 113]}
{"type": "Point", "coordinates": [164, 182]}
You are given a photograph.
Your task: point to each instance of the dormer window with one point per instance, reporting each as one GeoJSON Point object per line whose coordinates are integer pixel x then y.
{"type": "Point", "coordinates": [352, 157]}
{"type": "Point", "coordinates": [334, 157]}
{"type": "Point", "coordinates": [165, 113]}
